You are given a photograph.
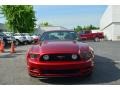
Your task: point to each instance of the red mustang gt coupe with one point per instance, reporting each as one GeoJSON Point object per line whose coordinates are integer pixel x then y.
{"type": "Point", "coordinates": [60, 55]}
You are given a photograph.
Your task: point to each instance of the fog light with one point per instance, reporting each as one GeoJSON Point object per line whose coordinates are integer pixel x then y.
{"type": "Point", "coordinates": [46, 57]}
{"type": "Point", "coordinates": [74, 56]}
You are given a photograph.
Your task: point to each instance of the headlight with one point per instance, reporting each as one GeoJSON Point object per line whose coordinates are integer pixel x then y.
{"type": "Point", "coordinates": [46, 57]}
{"type": "Point", "coordinates": [74, 56]}
{"type": "Point", "coordinates": [86, 55]}
{"type": "Point", "coordinates": [34, 56]}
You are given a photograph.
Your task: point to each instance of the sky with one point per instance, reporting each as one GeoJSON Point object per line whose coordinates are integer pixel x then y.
{"type": "Point", "coordinates": [68, 16]}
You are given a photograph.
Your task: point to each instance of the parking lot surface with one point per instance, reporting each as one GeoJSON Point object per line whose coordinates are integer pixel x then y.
{"type": "Point", "coordinates": [13, 70]}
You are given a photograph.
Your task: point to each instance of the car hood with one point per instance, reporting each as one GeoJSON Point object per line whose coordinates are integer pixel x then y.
{"type": "Point", "coordinates": [59, 47]}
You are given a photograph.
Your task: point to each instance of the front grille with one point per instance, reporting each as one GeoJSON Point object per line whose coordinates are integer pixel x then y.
{"type": "Point", "coordinates": [60, 57]}
{"type": "Point", "coordinates": [60, 71]}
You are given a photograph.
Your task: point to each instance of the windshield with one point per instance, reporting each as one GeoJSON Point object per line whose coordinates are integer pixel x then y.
{"type": "Point", "coordinates": [59, 35]}
{"type": "Point", "coordinates": [18, 34]}
{"type": "Point", "coordinates": [2, 34]}
{"type": "Point", "coordinates": [25, 34]}
{"type": "Point", "coordinates": [8, 34]}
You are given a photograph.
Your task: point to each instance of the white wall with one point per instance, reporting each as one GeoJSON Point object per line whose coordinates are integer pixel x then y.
{"type": "Point", "coordinates": [112, 14]}
{"type": "Point", "coordinates": [95, 31]}
{"type": "Point", "coordinates": [106, 19]}
{"type": "Point", "coordinates": [112, 32]}
{"type": "Point", "coordinates": [110, 22]}
{"type": "Point", "coordinates": [116, 13]}
{"type": "Point", "coordinates": [108, 32]}
{"type": "Point", "coordinates": [116, 33]}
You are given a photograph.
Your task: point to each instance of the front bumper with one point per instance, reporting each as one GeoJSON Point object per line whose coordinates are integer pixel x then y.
{"type": "Point", "coordinates": [60, 69]}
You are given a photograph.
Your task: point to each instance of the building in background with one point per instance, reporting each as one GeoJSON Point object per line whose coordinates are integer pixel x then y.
{"type": "Point", "coordinates": [110, 23]}
{"type": "Point", "coordinates": [96, 31]}
{"type": "Point", "coordinates": [42, 29]}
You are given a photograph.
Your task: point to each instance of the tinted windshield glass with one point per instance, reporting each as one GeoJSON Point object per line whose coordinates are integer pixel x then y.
{"type": "Point", "coordinates": [18, 34]}
{"type": "Point", "coordinates": [2, 34]}
{"type": "Point", "coordinates": [25, 34]}
{"type": "Point", "coordinates": [59, 35]}
{"type": "Point", "coordinates": [9, 34]}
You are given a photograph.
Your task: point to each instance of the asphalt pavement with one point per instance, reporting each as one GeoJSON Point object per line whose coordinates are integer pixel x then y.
{"type": "Point", "coordinates": [13, 70]}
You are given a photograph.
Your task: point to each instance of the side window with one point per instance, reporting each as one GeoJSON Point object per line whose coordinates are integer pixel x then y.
{"type": "Point", "coordinates": [43, 37]}
{"type": "Point", "coordinates": [74, 35]}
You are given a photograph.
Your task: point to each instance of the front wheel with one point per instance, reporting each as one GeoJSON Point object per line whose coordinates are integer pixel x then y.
{"type": "Point", "coordinates": [97, 39]}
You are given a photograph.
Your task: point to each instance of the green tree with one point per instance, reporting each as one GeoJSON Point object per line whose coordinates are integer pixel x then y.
{"type": "Point", "coordinates": [85, 28]}
{"type": "Point", "coordinates": [92, 27]}
{"type": "Point", "coordinates": [78, 28]}
{"type": "Point", "coordinates": [19, 18]}
{"type": "Point", "coordinates": [45, 24]}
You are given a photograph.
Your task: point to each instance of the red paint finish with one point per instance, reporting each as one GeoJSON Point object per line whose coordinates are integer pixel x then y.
{"type": "Point", "coordinates": [59, 68]}
{"type": "Point", "coordinates": [92, 36]}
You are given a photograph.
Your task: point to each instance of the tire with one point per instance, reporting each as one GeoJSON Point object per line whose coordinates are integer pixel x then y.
{"type": "Point", "coordinates": [97, 39]}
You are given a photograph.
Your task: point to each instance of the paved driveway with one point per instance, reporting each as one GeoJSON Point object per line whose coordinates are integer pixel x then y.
{"type": "Point", "coordinates": [107, 67]}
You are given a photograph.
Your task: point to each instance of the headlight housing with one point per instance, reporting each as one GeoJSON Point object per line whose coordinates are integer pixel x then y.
{"type": "Point", "coordinates": [34, 56]}
{"type": "Point", "coordinates": [46, 57]}
{"type": "Point", "coordinates": [86, 55]}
